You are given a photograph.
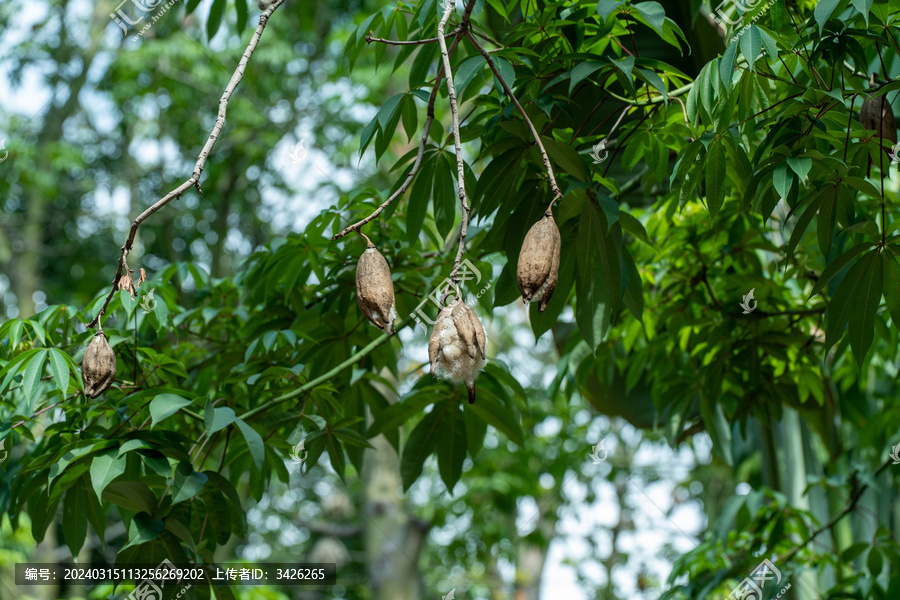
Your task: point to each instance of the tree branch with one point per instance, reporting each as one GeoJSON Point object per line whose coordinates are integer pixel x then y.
{"type": "Point", "coordinates": [194, 179]}
{"type": "Point", "coordinates": [537, 138]}
{"type": "Point", "coordinates": [428, 120]}
{"type": "Point", "coordinates": [460, 164]}
{"type": "Point", "coordinates": [856, 493]}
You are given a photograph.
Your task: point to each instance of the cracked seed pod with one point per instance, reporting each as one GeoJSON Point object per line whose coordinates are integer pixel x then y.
{"type": "Point", "coordinates": [876, 114]}
{"type": "Point", "coordinates": [98, 369]}
{"type": "Point", "coordinates": [457, 345]}
{"type": "Point", "coordinates": [538, 268]}
{"type": "Point", "coordinates": [375, 290]}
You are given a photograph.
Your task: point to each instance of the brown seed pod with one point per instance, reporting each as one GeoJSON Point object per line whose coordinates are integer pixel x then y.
{"type": "Point", "coordinates": [876, 114]}
{"type": "Point", "coordinates": [457, 345]}
{"type": "Point", "coordinates": [375, 290]}
{"type": "Point", "coordinates": [538, 268]}
{"type": "Point", "coordinates": [98, 369]}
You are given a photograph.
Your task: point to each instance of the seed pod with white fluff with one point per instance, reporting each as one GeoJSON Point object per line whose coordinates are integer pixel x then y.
{"type": "Point", "coordinates": [98, 369]}
{"type": "Point", "coordinates": [538, 268]}
{"type": "Point", "coordinates": [457, 346]}
{"type": "Point", "coordinates": [375, 290]}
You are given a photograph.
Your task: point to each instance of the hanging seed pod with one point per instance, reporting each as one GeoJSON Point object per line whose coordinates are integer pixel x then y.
{"type": "Point", "coordinates": [457, 345]}
{"type": "Point", "coordinates": [375, 290]}
{"type": "Point", "coordinates": [538, 268]}
{"type": "Point", "coordinates": [98, 369]}
{"type": "Point", "coordinates": [876, 114]}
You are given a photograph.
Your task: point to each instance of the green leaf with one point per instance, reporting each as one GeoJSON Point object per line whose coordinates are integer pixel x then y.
{"type": "Point", "coordinates": [891, 282]}
{"type": "Point", "coordinates": [751, 44]}
{"type": "Point", "coordinates": [507, 72]}
{"type": "Point", "coordinates": [610, 209]}
{"type": "Point", "coordinates": [451, 446]}
{"type": "Point", "coordinates": [823, 11]}
{"type": "Point", "coordinates": [74, 521]}
{"type": "Point", "coordinates": [143, 528]}
{"type": "Point", "coordinates": [840, 307]}
{"type": "Point", "coordinates": [717, 427]}
{"type": "Point", "coordinates": [565, 156]}
{"type": "Point", "coordinates": [164, 406]}
{"type": "Point", "coordinates": [386, 113]}
{"type": "Point", "coordinates": [400, 412]}
{"type": "Point", "coordinates": [409, 116]}
{"type": "Point", "coordinates": [836, 266]}
{"type": "Point", "coordinates": [826, 221]}
{"type": "Point", "coordinates": [60, 369]}
{"type": "Point", "coordinates": [241, 7]}
{"type": "Point", "coordinates": [31, 376]}
{"type": "Point", "coordinates": [216, 418]}
{"type": "Point", "coordinates": [716, 166]}
{"type": "Point", "coordinates": [624, 64]}
{"type": "Point", "coordinates": [133, 496]}
{"type": "Point", "coordinates": [187, 482]}
{"type": "Point", "coordinates": [634, 297]}
{"type": "Point", "coordinates": [863, 307]}
{"type": "Point", "coordinates": [420, 444]}
{"type": "Point", "coordinates": [634, 227]}
{"type": "Point", "coordinates": [583, 70]}
{"type": "Point", "coordinates": [366, 135]}
{"type": "Point", "coordinates": [606, 7]}
{"type": "Point", "coordinates": [254, 442]}
{"type": "Point", "coordinates": [863, 6]}
{"type": "Point", "coordinates": [800, 166]}
{"type": "Point", "coordinates": [782, 180]}
{"type": "Point", "coordinates": [444, 195]}
{"type": "Point", "coordinates": [499, 417]}
{"type": "Point", "coordinates": [654, 13]}
{"type": "Point", "coordinates": [466, 72]}
{"type": "Point", "coordinates": [215, 18]}
{"type": "Point", "coordinates": [419, 196]}
{"type": "Point", "coordinates": [104, 468]}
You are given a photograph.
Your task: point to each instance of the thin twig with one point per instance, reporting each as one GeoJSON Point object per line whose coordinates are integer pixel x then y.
{"type": "Point", "coordinates": [370, 39]}
{"type": "Point", "coordinates": [194, 180]}
{"type": "Point", "coordinates": [537, 138]}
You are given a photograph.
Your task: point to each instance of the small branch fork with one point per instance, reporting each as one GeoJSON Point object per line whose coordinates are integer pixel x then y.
{"type": "Point", "coordinates": [194, 179]}
{"type": "Point", "coordinates": [458, 32]}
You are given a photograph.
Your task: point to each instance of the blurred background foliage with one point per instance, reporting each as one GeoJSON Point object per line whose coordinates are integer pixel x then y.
{"type": "Point", "coordinates": [726, 437]}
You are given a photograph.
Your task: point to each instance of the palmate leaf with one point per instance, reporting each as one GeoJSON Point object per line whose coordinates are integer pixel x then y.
{"type": "Point", "coordinates": [852, 299]}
